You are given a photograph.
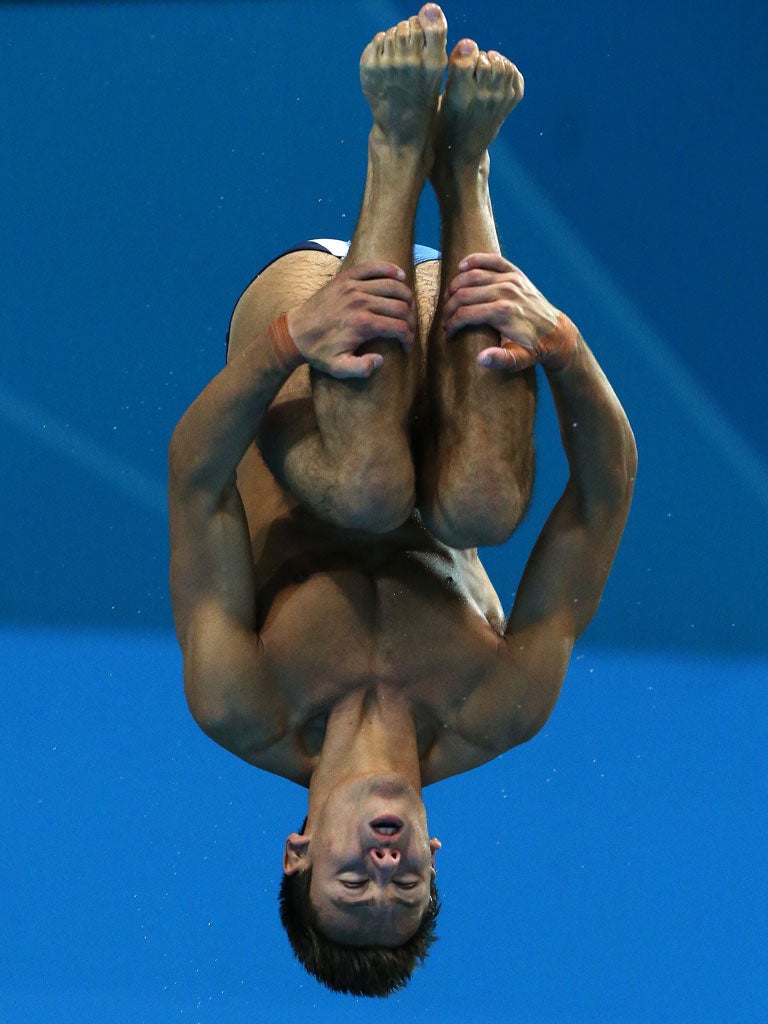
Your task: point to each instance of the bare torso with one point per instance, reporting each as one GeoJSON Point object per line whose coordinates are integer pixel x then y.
{"type": "Point", "coordinates": [339, 611]}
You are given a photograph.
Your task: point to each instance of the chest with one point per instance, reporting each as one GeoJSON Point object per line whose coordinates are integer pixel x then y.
{"type": "Point", "coordinates": [330, 631]}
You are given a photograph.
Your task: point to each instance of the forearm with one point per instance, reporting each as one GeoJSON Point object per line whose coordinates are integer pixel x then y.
{"type": "Point", "coordinates": [216, 430]}
{"type": "Point", "coordinates": [569, 565]}
{"type": "Point", "coordinates": [595, 431]}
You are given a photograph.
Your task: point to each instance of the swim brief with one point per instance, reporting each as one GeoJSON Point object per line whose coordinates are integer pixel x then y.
{"type": "Point", "coordinates": [335, 247]}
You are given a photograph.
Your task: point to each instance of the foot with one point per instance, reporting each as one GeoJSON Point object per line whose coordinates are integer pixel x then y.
{"type": "Point", "coordinates": [481, 90]}
{"type": "Point", "coordinates": [401, 71]}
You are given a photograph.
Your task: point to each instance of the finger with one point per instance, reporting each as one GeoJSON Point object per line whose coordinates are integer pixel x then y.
{"type": "Point", "coordinates": [395, 309]}
{"type": "Point", "coordinates": [375, 326]}
{"type": "Point", "coordinates": [473, 279]}
{"type": "Point", "coordinates": [385, 305]}
{"type": "Point", "coordinates": [486, 261]}
{"type": "Point", "coordinates": [512, 358]}
{"type": "Point", "coordinates": [482, 295]}
{"type": "Point", "coordinates": [376, 268]}
{"type": "Point", "coordinates": [472, 316]}
{"type": "Point", "coordinates": [386, 288]}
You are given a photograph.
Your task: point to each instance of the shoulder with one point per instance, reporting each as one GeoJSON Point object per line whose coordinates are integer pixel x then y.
{"type": "Point", "coordinates": [515, 698]}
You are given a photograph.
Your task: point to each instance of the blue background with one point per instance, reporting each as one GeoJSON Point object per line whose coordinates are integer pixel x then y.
{"type": "Point", "coordinates": [155, 155]}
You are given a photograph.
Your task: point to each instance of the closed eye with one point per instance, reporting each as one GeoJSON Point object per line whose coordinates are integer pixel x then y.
{"type": "Point", "coordinates": [362, 882]}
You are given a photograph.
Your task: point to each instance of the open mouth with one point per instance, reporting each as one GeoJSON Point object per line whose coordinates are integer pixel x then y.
{"type": "Point", "coordinates": [387, 825]}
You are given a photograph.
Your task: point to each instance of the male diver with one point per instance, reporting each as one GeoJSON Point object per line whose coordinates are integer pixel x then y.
{"type": "Point", "coordinates": [328, 491]}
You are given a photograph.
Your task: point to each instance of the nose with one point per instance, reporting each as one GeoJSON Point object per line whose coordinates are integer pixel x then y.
{"type": "Point", "coordinates": [385, 859]}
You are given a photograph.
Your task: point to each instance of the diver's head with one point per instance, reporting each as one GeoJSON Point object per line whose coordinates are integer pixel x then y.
{"type": "Point", "coordinates": [358, 898]}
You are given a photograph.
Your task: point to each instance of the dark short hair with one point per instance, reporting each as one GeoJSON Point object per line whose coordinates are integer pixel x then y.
{"type": "Point", "coordinates": [355, 970]}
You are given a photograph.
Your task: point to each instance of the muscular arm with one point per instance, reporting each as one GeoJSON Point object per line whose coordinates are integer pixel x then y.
{"type": "Point", "coordinates": [227, 677]}
{"type": "Point", "coordinates": [568, 568]}
{"type": "Point", "coordinates": [211, 562]}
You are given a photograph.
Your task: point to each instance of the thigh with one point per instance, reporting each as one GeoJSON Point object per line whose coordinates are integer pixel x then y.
{"type": "Point", "coordinates": [286, 283]}
{"type": "Point", "coordinates": [341, 448]}
{"type": "Point", "coordinates": [475, 443]}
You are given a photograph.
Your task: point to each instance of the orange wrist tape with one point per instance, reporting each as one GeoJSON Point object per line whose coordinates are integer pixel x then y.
{"type": "Point", "coordinates": [283, 345]}
{"type": "Point", "coordinates": [560, 343]}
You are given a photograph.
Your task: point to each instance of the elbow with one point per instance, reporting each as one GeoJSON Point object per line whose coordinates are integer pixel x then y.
{"type": "Point", "coordinates": [533, 725]}
{"type": "Point", "coordinates": [210, 719]}
{"type": "Point", "coordinates": [212, 715]}
{"type": "Point", "coordinates": [224, 722]}
{"type": "Point", "coordinates": [217, 725]}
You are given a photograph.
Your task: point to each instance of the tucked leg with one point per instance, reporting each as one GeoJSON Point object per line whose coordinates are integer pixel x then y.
{"type": "Point", "coordinates": [476, 455]}
{"type": "Point", "coordinates": [342, 448]}
{"type": "Point", "coordinates": [365, 425]}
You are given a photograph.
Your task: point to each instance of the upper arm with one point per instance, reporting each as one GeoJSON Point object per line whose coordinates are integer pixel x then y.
{"type": "Point", "coordinates": [226, 676]}
{"type": "Point", "coordinates": [557, 597]}
{"type": "Point", "coordinates": [568, 568]}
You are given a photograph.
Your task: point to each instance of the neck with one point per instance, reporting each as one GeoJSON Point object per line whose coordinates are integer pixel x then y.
{"type": "Point", "coordinates": [368, 733]}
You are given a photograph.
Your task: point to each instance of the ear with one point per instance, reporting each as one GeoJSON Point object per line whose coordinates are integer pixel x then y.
{"type": "Point", "coordinates": [434, 846]}
{"type": "Point", "coordinates": [295, 853]}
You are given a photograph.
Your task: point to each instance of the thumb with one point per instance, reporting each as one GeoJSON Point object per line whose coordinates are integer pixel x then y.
{"type": "Point", "coordinates": [512, 357]}
{"type": "Point", "coordinates": [348, 365]}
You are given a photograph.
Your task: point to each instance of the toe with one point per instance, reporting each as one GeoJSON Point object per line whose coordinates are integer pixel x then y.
{"type": "Point", "coordinates": [498, 62]}
{"type": "Point", "coordinates": [518, 83]}
{"type": "Point", "coordinates": [513, 82]}
{"type": "Point", "coordinates": [465, 53]}
{"type": "Point", "coordinates": [403, 35]}
{"type": "Point", "coordinates": [416, 33]}
{"type": "Point", "coordinates": [434, 26]}
{"type": "Point", "coordinates": [389, 46]}
{"type": "Point", "coordinates": [484, 69]}
{"type": "Point", "coordinates": [373, 50]}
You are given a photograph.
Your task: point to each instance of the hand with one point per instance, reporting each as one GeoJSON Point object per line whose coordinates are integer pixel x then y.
{"type": "Point", "coordinates": [370, 300]}
{"type": "Point", "coordinates": [491, 291]}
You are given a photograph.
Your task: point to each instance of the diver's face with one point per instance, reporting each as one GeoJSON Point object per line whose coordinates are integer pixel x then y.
{"type": "Point", "coordinates": [372, 862]}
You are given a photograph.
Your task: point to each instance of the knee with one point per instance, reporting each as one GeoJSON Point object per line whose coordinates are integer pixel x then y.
{"type": "Point", "coordinates": [482, 515]}
{"type": "Point", "coordinates": [375, 498]}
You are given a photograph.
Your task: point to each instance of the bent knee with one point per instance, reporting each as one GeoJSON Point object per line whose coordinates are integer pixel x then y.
{"type": "Point", "coordinates": [377, 499]}
{"type": "Point", "coordinates": [473, 517]}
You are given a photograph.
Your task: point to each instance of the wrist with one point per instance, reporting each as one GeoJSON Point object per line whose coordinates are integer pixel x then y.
{"type": "Point", "coordinates": [284, 347]}
{"type": "Point", "coordinates": [559, 345]}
